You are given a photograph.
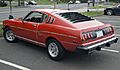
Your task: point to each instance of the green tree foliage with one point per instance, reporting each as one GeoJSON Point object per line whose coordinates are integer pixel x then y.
{"type": "Point", "coordinates": [64, 1]}
{"type": "Point", "coordinates": [9, 0]}
{"type": "Point", "coordinates": [115, 1]}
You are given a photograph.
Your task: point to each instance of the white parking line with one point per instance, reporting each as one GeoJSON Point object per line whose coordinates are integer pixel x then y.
{"type": "Point", "coordinates": [117, 34]}
{"type": "Point", "coordinates": [116, 26]}
{"type": "Point", "coordinates": [12, 12]}
{"type": "Point", "coordinates": [14, 65]}
{"type": "Point", "coordinates": [115, 51]}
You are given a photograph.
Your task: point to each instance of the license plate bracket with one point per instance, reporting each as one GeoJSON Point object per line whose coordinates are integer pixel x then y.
{"type": "Point", "coordinates": [99, 33]}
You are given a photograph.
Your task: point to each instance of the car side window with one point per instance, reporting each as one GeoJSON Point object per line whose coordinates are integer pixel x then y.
{"type": "Point", "coordinates": [45, 17]}
{"type": "Point", "coordinates": [34, 17]}
{"type": "Point", "coordinates": [118, 6]}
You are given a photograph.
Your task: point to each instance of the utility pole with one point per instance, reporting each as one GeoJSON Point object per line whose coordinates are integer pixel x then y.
{"type": "Point", "coordinates": [68, 4]}
{"type": "Point", "coordinates": [54, 5]}
{"type": "Point", "coordinates": [18, 2]}
{"type": "Point", "coordinates": [10, 16]}
{"type": "Point", "coordinates": [93, 2]}
{"type": "Point", "coordinates": [88, 6]}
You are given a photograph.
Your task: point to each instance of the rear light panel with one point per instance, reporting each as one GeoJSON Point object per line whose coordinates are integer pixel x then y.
{"type": "Point", "coordinates": [107, 30]}
{"type": "Point", "coordinates": [93, 34]}
{"type": "Point", "coordinates": [88, 35]}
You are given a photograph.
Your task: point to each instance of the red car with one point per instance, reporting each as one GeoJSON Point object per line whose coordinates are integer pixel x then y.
{"type": "Point", "coordinates": [60, 31]}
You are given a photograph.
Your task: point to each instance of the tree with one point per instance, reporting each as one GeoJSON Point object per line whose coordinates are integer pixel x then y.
{"type": "Point", "coordinates": [115, 1]}
{"type": "Point", "coordinates": [93, 2]}
{"type": "Point", "coordinates": [66, 1]}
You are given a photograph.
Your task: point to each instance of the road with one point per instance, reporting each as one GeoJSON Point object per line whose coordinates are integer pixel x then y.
{"type": "Point", "coordinates": [114, 20]}
{"type": "Point", "coordinates": [22, 11]}
{"type": "Point", "coordinates": [30, 56]}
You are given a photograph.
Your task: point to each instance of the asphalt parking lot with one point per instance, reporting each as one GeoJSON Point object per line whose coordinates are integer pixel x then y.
{"type": "Point", "coordinates": [26, 56]}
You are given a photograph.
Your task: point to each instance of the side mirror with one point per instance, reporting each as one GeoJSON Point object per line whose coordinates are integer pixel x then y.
{"type": "Point", "coordinates": [11, 17]}
{"type": "Point", "coordinates": [20, 18]}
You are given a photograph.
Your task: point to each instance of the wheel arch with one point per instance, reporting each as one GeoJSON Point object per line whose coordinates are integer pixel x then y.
{"type": "Point", "coordinates": [110, 9]}
{"type": "Point", "coordinates": [51, 37]}
{"type": "Point", "coordinates": [6, 27]}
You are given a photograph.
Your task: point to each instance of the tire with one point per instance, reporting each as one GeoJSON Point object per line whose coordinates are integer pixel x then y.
{"type": "Point", "coordinates": [9, 36]}
{"type": "Point", "coordinates": [55, 50]}
{"type": "Point", "coordinates": [109, 12]}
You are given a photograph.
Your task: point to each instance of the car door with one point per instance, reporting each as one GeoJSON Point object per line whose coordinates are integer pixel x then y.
{"type": "Point", "coordinates": [117, 10]}
{"type": "Point", "coordinates": [29, 25]}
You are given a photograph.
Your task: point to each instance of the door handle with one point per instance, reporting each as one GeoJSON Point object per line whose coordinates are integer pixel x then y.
{"type": "Point", "coordinates": [34, 25]}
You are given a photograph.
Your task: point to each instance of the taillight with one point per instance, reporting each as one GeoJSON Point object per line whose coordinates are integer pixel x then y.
{"type": "Point", "coordinates": [107, 30]}
{"type": "Point", "coordinates": [94, 34]}
{"type": "Point", "coordinates": [88, 35]}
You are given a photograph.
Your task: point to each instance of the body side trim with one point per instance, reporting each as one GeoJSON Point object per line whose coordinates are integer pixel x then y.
{"type": "Point", "coordinates": [30, 40]}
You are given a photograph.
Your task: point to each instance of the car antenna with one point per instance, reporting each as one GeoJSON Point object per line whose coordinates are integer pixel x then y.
{"type": "Point", "coordinates": [10, 16]}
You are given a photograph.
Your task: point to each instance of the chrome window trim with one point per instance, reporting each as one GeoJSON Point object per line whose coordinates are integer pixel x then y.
{"type": "Point", "coordinates": [30, 40]}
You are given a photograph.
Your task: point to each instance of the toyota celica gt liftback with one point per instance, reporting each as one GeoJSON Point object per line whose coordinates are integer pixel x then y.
{"type": "Point", "coordinates": [60, 31]}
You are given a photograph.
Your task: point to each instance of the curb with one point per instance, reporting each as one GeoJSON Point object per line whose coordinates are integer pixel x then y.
{"type": "Point", "coordinates": [1, 35]}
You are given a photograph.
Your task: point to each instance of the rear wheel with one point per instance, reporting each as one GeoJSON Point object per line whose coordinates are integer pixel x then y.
{"type": "Point", "coordinates": [55, 50]}
{"type": "Point", "coordinates": [9, 35]}
{"type": "Point", "coordinates": [109, 12]}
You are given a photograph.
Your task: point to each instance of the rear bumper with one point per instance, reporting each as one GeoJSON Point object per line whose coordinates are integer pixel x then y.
{"type": "Point", "coordinates": [99, 45]}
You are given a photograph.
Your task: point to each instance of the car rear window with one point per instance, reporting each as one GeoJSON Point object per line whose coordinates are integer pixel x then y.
{"type": "Point", "coordinates": [75, 17]}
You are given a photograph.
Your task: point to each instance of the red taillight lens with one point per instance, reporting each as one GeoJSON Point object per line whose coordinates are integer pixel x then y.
{"type": "Point", "coordinates": [88, 35]}
{"type": "Point", "coordinates": [107, 30]}
{"type": "Point", "coordinates": [93, 34]}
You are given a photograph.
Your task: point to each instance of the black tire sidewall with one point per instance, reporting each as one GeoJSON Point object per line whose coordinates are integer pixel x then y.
{"type": "Point", "coordinates": [61, 52]}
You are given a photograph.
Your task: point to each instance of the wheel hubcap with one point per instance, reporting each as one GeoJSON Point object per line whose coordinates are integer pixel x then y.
{"type": "Point", "coordinates": [109, 12]}
{"type": "Point", "coordinates": [9, 35]}
{"type": "Point", "coordinates": [53, 49]}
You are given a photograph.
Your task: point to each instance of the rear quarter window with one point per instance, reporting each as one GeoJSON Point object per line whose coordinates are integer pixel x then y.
{"type": "Point", "coordinates": [50, 20]}
{"type": "Point", "coordinates": [74, 17]}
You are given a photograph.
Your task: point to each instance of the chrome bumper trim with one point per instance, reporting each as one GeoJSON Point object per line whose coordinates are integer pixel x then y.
{"type": "Point", "coordinates": [98, 44]}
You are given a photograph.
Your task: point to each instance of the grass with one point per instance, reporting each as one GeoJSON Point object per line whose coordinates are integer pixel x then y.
{"type": "Point", "coordinates": [93, 13]}
{"type": "Point", "coordinates": [98, 6]}
{"type": "Point", "coordinates": [1, 31]}
{"type": "Point", "coordinates": [101, 6]}
{"type": "Point", "coordinates": [45, 2]}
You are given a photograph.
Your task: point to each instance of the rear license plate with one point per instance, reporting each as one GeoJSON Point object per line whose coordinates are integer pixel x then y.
{"type": "Point", "coordinates": [99, 33]}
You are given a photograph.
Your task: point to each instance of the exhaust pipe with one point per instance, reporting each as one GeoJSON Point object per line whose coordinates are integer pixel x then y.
{"type": "Point", "coordinates": [116, 40]}
{"type": "Point", "coordinates": [98, 48]}
{"type": "Point", "coordinates": [108, 44]}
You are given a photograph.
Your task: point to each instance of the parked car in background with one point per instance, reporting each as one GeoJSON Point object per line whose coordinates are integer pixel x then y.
{"type": "Point", "coordinates": [112, 11]}
{"type": "Point", "coordinates": [3, 4]}
{"type": "Point", "coordinates": [77, 2]}
{"type": "Point", "coordinates": [74, 2]}
{"type": "Point", "coordinates": [71, 2]}
{"type": "Point", "coordinates": [32, 3]}
{"type": "Point", "coordinates": [60, 31]}
{"type": "Point", "coordinates": [24, 3]}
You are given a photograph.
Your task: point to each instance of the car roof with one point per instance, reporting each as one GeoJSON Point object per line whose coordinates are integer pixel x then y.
{"type": "Point", "coordinates": [53, 10]}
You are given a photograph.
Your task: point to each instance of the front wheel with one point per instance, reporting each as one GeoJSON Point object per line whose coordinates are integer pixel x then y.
{"type": "Point", "coordinates": [55, 50]}
{"type": "Point", "coordinates": [109, 12]}
{"type": "Point", "coordinates": [9, 35]}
